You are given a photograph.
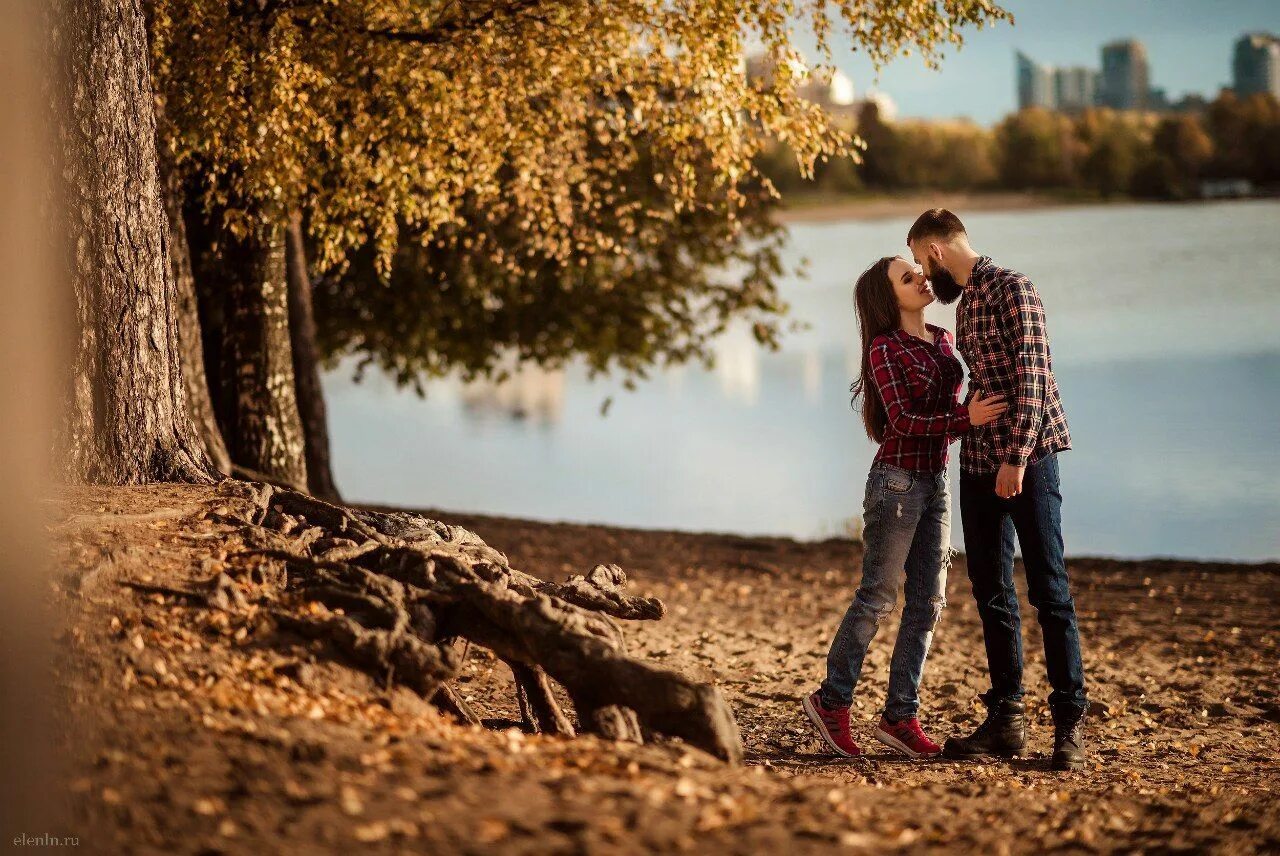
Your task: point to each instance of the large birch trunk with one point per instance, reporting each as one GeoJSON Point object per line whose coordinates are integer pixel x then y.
{"type": "Point", "coordinates": [262, 425]}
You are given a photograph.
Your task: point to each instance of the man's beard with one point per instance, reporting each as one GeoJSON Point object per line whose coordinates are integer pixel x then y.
{"type": "Point", "coordinates": [945, 287]}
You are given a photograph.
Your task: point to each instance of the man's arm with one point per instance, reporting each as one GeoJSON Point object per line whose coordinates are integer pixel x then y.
{"type": "Point", "coordinates": [1025, 316]}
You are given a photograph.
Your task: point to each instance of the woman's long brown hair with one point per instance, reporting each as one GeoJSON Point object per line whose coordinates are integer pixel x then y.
{"type": "Point", "coordinates": [878, 313]}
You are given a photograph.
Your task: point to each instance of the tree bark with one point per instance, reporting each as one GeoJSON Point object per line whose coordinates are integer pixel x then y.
{"type": "Point", "coordinates": [262, 426]}
{"type": "Point", "coordinates": [306, 369]}
{"type": "Point", "coordinates": [127, 420]}
{"type": "Point", "coordinates": [190, 340]}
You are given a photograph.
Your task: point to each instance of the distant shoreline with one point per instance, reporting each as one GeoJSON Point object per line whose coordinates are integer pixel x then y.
{"type": "Point", "coordinates": [562, 529]}
{"type": "Point", "coordinates": [834, 209]}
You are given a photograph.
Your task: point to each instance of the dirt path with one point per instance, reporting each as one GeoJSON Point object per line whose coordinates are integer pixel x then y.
{"type": "Point", "coordinates": [194, 731]}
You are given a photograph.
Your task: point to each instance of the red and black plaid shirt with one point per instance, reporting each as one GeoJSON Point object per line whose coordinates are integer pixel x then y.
{"type": "Point", "coordinates": [1003, 339]}
{"type": "Point", "coordinates": [917, 381]}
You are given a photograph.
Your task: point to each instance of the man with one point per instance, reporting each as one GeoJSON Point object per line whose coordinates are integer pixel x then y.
{"type": "Point", "coordinates": [1008, 485]}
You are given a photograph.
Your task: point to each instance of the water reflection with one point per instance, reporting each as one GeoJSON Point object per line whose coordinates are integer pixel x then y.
{"type": "Point", "coordinates": [530, 393]}
{"type": "Point", "coordinates": [737, 366]}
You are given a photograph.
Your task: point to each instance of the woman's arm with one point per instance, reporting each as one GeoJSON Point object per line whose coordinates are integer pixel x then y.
{"type": "Point", "coordinates": [901, 409]}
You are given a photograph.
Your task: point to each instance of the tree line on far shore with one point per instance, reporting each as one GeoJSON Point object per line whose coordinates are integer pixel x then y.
{"type": "Point", "coordinates": [1099, 152]}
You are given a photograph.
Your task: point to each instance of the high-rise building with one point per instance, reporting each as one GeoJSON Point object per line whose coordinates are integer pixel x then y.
{"type": "Point", "coordinates": [1071, 89]}
{"type": "Point", "coordinates": [1126, 75]}
{"type": "Point", "coordinates": [1256, 65]}
{"type": "Point", "coordinates": [1075, 89]}
{"type": "Point", "coordinates": [1035, 83]}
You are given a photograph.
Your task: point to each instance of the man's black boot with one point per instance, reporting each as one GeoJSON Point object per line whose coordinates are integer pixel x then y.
{"type": "Point", "coordinates": [1003, 733]}
{"type": "Point", "coordinates": [1068, 738]}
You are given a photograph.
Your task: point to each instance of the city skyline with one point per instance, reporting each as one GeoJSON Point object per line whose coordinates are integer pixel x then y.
{"type": "Point", "coordinates": [1125, 82]}
{"type": "Point", "coordinates": [1190, 52]}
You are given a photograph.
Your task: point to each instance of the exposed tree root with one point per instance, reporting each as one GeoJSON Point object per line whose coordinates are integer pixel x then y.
{"type": "Point", "coordinates": [391, 592]}
{"type": "Point", "coordinates": [538, 707]}
{"type": "Point", "coordinates": [219, 592]}
{"type": "Point", "coordinates": [79, 521]}
{"type": "Point", "coordinates": [448, 699]}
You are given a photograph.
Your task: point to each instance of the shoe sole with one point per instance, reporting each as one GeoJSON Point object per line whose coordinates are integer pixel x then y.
{"type": "Point", "coordinates": [894, 743]}
{"type": "Point", "coordinates": [810, 712]}
{"type": "Point", "coordinates": [1068, 767]}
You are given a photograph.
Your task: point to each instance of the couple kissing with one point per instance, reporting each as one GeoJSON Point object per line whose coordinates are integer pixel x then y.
{"type": "Point", "coordinates": [1011, 429]}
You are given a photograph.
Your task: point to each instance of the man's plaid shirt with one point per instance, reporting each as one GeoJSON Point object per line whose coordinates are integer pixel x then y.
{"type": "Point", "coordinates": [1002, 336]}
{"type": "Point", "coordinates": [917, 382]}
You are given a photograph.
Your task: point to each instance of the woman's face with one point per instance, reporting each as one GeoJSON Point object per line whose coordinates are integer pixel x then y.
{"type": "Point", "coordinates": [909, 286]}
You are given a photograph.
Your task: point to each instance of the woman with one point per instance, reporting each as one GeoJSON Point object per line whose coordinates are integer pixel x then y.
{"type": "Point", "coordinates": [910, 378]}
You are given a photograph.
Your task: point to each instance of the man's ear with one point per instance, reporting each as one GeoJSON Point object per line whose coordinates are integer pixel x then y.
{"type": "Point", "coordinates": [935, 250]}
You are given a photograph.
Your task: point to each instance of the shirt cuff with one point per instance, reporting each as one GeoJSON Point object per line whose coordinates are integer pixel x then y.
{"type": "Point", "coordinates": [1018, 458]}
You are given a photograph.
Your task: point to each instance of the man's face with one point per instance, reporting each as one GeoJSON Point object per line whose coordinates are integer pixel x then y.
{"type": "Point", "coordinates": [929, 256]}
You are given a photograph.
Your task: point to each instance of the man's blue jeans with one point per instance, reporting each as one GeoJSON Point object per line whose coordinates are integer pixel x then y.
{"type": "Point", "coordinates": [906, 538]}
{"type": "Point", "coordinates": [990, 523]}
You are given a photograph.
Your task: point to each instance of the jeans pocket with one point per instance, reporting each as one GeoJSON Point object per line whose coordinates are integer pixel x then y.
{"type": "Point", "coordinates": [897, 481]}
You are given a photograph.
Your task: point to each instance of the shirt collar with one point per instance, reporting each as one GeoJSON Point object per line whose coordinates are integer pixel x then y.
{"type": "Point", "coordinates": [983, 270]}
{"type": "Point", "coordinates": [934, 331]}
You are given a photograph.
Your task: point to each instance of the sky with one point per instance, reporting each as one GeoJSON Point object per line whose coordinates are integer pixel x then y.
{"type": "Point", "coordinates": [1189, 43]}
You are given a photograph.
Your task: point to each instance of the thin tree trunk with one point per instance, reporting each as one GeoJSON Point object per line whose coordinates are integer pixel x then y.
{"type": "Point", "coordinates": [263, 429]}
{"type": "Point", "coordinates": [306, 369]}
{"type": "Point", "coordinates": [190, 342]}
{"type": "Point", "coordinates": [127, 420]}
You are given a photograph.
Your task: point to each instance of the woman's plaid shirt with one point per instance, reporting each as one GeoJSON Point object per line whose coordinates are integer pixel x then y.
{"type": "Point", "coordinates": [1001, 331]}
{"type": "Point", "coordinates": [917, 382]}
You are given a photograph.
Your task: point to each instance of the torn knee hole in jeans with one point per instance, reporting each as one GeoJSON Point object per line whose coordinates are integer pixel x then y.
{"type": "Point", "coordinates": [937, 604]}
{"type": "Point", "coordinates": [880, 611]}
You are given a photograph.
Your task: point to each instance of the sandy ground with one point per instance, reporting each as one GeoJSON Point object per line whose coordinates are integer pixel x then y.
{"type": "Point", "coordinates": [192, 731]}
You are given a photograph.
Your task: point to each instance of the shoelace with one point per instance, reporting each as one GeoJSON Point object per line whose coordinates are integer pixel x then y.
{"type": "Point", "coordinates": [1071, 732]}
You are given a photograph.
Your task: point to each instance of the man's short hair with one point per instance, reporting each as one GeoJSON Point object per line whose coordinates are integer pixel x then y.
{"type": "Point", "coordinates": [936, 223]}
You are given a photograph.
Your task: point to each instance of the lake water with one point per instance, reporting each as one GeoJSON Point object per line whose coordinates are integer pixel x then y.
{"type": "Point", "coordinates": [1163, 322]}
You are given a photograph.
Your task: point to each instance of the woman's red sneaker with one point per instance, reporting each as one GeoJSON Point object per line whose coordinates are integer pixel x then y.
{"type": "Point", "coordinates": [907, 737]}
{"type": "Point", "coordinates": [832, 725]}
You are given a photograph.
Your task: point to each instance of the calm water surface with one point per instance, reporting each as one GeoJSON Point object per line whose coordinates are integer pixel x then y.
{"type": "Point", "coordinates": [1163, 326]}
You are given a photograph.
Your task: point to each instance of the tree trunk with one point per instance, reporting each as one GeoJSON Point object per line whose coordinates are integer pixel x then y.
{"type": "Point", "coordinates": [263, 429]}
{"type": "Point", "coordinates": [190, 342]}
{"type": "Point", "coordinates": [127, 419]}
{"type": "Point", "coordinates": [306, 369]}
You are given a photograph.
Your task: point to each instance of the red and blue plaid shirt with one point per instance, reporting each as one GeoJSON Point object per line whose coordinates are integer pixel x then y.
{"type": "Point", "coordinates": [1003, 339]}
{"type": "Point", "coordinates": [917, 382]}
